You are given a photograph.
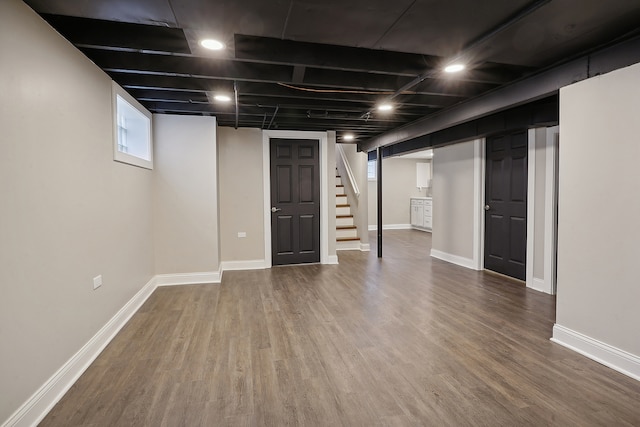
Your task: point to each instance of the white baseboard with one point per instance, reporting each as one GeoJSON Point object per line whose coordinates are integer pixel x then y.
{"type": "Point", "coordinates": [539, 285]}
{"type": "Point", "coordinates": [331, 260]}
{"type": "Point", "coordinates": [43, 400]}
{"type": "Point", "coordinates": [391, 227]}
{"type": "Point", "coordinates": [396, 226]}
{"type": "Point", "coordinates": [454, 259]}
{"type": "Point", "coordinates": [426, 230]}
{"type": "Point", "coordinates": [188, 278]}
{"type": "Point", "coordinates": [353, 245]}
{"type": "Point", "coordinates": [616, 359]}
{"type": "Point", "coordinates": [254, 264]}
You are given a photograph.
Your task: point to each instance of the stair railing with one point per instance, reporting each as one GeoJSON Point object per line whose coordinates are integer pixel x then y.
{"type": "Point", "coordinates": [345, 169]}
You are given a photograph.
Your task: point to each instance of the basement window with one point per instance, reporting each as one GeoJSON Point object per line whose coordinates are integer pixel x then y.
{"type": "Point", "coordinates": [371, 170]}
{"type": "Point", "coordinates": [132, 130]}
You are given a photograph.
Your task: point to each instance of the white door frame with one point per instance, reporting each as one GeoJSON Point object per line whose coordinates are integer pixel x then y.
{"type": "Point", "coordinates": [551, 209]}
{"type": "Point", "coordinates": [322, 138]}
{"type": "Point", "coordinates": [531, 208]}
{"type": "Point", "coordinates": [479, 168]}
{"type": "Point", "coordinates": [546, 284]}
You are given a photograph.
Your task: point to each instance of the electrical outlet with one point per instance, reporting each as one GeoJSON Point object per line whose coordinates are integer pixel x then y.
{"type": "Point", "coordinates": [242, 234]}
{"type": "Point", "coordinates": [97, 282]}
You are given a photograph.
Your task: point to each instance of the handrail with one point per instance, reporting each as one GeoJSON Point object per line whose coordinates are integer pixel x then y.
{"type": "Point", "coordinates": [347, 167]}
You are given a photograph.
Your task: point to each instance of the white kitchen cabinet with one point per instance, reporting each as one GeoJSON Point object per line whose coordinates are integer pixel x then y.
{"type": "Point", "coordinates": [417, 213]}
{"type": "Point", "coordinates": [421, 213]}
{"type": "Point", "coordinates": [427, 219]}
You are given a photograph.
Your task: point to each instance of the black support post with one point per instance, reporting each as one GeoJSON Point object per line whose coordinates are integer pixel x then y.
{"type": "Point", "coordinates": [379, 176]}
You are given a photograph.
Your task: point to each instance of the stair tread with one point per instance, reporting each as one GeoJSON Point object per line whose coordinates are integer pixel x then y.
{"type": "Point", "coordinates": [343, 206]}
{"type": "Point", "coordinates": [346, 227]}
{"type": "Point", "coordinates": [339, 185]}
{"type": "Point", "coordinates": [347, 239]}
{"type": "Point", "coordinates": [344, 216]}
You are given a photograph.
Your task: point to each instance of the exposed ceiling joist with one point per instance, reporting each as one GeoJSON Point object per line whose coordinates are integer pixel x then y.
{"type": "Point", "coordinates": [318, 62]}
{"type": "Point", "coordinates": [530, 89]}
{"type": "Point", "coordinates": [120, 34]}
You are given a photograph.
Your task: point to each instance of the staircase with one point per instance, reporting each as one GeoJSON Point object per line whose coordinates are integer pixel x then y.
{"type": "Point", "coordinates": [346, 230]}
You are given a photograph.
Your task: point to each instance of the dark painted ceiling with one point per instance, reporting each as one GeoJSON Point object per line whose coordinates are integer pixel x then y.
{"type": "Point", "coordinates": [325, 64]}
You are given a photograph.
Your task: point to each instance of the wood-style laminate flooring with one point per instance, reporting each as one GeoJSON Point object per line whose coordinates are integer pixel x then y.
{"type": "Point", "coordinates": [403, 341]}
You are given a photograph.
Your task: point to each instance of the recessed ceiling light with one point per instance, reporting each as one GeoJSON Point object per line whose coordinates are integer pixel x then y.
{"type": "Point", "coordinates": [212, 44]}
{"type": "Point", "coordinates": [222, 98]}
{"type": "Point", "coordinates": [348, 137]}
{"type": "Point", "coordinates": [454, 68]}
{"type": "Point", "coordinates": [385, 107]}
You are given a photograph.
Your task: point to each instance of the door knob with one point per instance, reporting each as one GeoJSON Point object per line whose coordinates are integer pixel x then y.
{"type": "Point", "coordinates": [274, 209]}
{"type": "Point", "coordinates": [487, 207]}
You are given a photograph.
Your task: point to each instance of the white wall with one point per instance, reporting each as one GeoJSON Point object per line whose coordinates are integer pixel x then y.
{"type": "Point", "coordinates": [185, 190]}
{"type": "Point", "coordinates": [68, 211]}
{"type": "Point", "coordinates": [599, 211]}
{"type": "Point", "coordinates": [455, 180]}
{"type": "Point", "coordinates": [241, 194]}
{"type": "Point", "coordinates": [398, 186]}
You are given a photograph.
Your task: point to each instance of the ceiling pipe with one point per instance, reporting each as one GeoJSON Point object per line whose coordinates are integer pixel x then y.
{"type": "Point", "coordinates": [235, 91]}
{"type": "Point", "coordinates": [517, 16]}
{"type": "Point", "coordinates": [274, 116]}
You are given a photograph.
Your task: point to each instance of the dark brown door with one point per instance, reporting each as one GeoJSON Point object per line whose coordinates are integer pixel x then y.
{"type": "Point", "coordinates": [295, 201]}
{"type": "Point", "coordinates": [505, 244]}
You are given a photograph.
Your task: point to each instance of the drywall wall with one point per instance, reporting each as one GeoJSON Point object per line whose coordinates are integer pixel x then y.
{"type": "Point", "coordinates": [185, 194]}
{"type": "Point", "coordinates": [359, 205]}
{"type": "Point", "coordinates": [68, 211]}
{"type": "Point", "coordinates": [598, 226]}
{"type": "Point", "coordinates": [398, 186]}
{"type": "Point", "coordinates": [241, 194]}
{"type": "Point", "coordinates": [454, 183]}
